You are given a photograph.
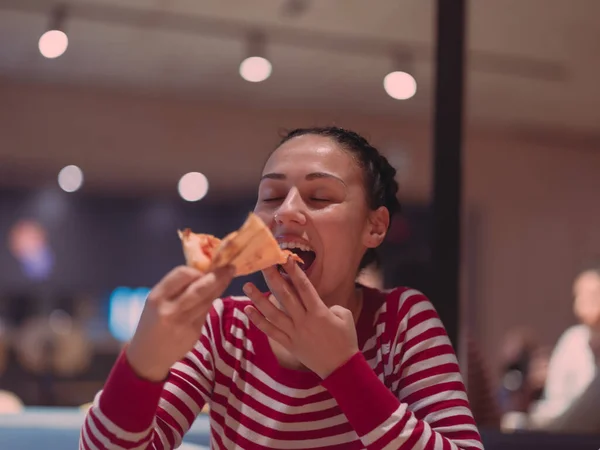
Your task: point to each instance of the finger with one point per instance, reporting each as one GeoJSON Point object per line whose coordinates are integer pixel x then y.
{"type": "Point", "coordinates": [342, 313]}
{"type": "Point", "coordinates": [200, 294]}
{"type": "Point", "coordinates": [268, 309]}
{"type": "Point", "coordinates": [305, 289]}
{"type": "Point", "coordinates": [284, 293]}
{"type": "Point", "coordinates": [267, 327]}
{"type": "Point", "coordinates": [176, 281]}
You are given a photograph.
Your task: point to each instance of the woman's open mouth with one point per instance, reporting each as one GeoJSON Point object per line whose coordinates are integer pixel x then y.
{"type": "Point", "coordinates": [305, 253]}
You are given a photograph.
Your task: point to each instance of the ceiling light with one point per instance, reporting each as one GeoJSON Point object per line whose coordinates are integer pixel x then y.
{"type": "Point", "coordinates": [256, 67]}
{"type": "Point", "coordinates": [70, 178]}
{"type": "Point", "coordinates": [400, 85]}
{"type": "Point", "coordinates": [54, 42]}
{"type": "Point", "coordinates": [193, 186]}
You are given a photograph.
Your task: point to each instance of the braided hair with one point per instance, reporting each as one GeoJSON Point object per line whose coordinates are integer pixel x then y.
{"type": "Point", "coordinates": [381, 186]}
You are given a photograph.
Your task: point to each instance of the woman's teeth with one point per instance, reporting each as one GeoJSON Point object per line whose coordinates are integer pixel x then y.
{"type": "Point", "coordinates": [304, 251]}
{"type": "Point", "coordinates": [295, 245]}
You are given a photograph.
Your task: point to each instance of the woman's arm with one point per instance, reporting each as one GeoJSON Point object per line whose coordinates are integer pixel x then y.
{"type": "Point", "coordinates": [133, 413]}
{"type": "Point", "coordinates": [427, 406]}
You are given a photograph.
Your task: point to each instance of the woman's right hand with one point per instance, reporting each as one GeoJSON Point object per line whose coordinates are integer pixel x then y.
{"type": "Point", "coordinates": [172, 319]}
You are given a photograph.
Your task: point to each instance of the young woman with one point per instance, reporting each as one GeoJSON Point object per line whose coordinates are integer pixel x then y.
{"type": "Point", "coordinates": [321, 362]}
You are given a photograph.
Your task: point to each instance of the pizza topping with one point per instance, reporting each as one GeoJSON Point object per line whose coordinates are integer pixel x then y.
{"type": "Point", "coordinates": [198, 249]}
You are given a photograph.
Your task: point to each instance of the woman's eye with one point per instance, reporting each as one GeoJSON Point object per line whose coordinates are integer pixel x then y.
{"type": "Point", "coordinates": [322, 200]}
{"type": "Point", "coordinates": [272, 199]}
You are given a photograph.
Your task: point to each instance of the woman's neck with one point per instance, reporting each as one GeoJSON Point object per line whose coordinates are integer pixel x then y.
{"type": "Point", "coordinates": [348, 296]}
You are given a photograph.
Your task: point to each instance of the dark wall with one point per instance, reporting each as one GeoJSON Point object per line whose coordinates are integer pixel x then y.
{"type": "Point", "coordinates": [99, 243]}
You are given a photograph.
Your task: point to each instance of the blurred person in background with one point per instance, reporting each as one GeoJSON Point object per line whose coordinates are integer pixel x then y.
{"type": "Point", "coordinates": [371, 276]}
{"type": "Point", "coordinates": [522, 380]}
{"type": "Point", "coordinates": [524, 371]}
{"type": "Point", "coordinates": [10, 403]}
{"type": "Point", "coordinates": [574, 361]}
{"type": "Point", "coordinates": [322, 361]}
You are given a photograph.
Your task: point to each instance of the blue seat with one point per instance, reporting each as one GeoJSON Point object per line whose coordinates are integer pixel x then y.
{"type": "Point", "coordinates": [58, 428]}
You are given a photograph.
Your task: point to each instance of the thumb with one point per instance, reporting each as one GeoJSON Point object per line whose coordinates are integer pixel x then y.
{"type": "Point", "coordinates": [342, 313]}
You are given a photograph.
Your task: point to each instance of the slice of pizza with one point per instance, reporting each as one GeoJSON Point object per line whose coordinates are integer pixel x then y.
{"type": "Point", "coordinates": [198, 249]}
{"type": "Point", "coordinates": [250, 249]}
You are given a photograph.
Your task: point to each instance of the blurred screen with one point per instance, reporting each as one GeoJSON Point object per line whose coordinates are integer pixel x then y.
{"type": "Point", "coordinates": [124, 311]}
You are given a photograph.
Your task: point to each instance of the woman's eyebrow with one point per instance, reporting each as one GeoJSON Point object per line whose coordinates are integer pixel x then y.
{"type": "Point", "coordinates": [309, 177]}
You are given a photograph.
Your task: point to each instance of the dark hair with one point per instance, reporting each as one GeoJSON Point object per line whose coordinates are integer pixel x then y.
{"type": "Point", "coordinates": [380, 177]}
{"type": "Point", "coordinates": [592, 265]}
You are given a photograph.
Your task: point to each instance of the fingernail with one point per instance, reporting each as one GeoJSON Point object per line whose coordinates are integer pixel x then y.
{"type": "Point", "coordinates": [247, 288]}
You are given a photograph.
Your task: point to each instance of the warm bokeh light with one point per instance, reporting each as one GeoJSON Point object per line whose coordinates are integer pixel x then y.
{"type": "Point", "coordinates": [70, 178]}
{"type": "Point", "coordinates": [255, 69]}
{"type": "Point", "coordinates": [53, 44]}
{"type": "Point", "coordinates": [193, 186]}
{"type": "Point", "coordinates": [400, 85]}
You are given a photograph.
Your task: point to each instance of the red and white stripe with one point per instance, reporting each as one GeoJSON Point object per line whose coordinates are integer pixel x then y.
{"type": "Point", "coordinates": [403, 390]}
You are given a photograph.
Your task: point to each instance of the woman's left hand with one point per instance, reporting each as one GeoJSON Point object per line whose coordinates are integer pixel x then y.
{"type": "Point", "coordinates": [322, 338]}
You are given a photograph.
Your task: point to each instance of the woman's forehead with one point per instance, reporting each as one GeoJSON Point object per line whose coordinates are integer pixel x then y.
{"type": "Point", "coordinates": [311, 153]}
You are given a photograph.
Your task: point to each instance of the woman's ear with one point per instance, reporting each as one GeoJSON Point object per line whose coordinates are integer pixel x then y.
{"type": "Point", "coordinates": [377, 226]}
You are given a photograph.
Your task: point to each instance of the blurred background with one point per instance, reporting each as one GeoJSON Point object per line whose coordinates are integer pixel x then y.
{"type": "Point", "coordinates": [124, 120]}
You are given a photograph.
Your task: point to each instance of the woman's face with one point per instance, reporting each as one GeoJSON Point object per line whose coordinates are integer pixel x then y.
{"type": "Point", "coordinates": [312, 197]}
{"type": "Point", "coordinates": [586, 290]}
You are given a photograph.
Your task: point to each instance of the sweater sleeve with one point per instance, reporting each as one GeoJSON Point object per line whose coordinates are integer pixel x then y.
{"type": "Point", "coordinates": [132, 413]}
{"type": "Point", "coordinates": [424, 406]}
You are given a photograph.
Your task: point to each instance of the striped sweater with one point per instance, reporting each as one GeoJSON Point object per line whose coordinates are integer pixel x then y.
{"type": "Point", "coordinates": [402, 390]}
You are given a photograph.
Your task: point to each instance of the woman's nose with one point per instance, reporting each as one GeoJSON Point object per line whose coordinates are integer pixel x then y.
{"type": "Point", "coordinates": [291, 210]}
